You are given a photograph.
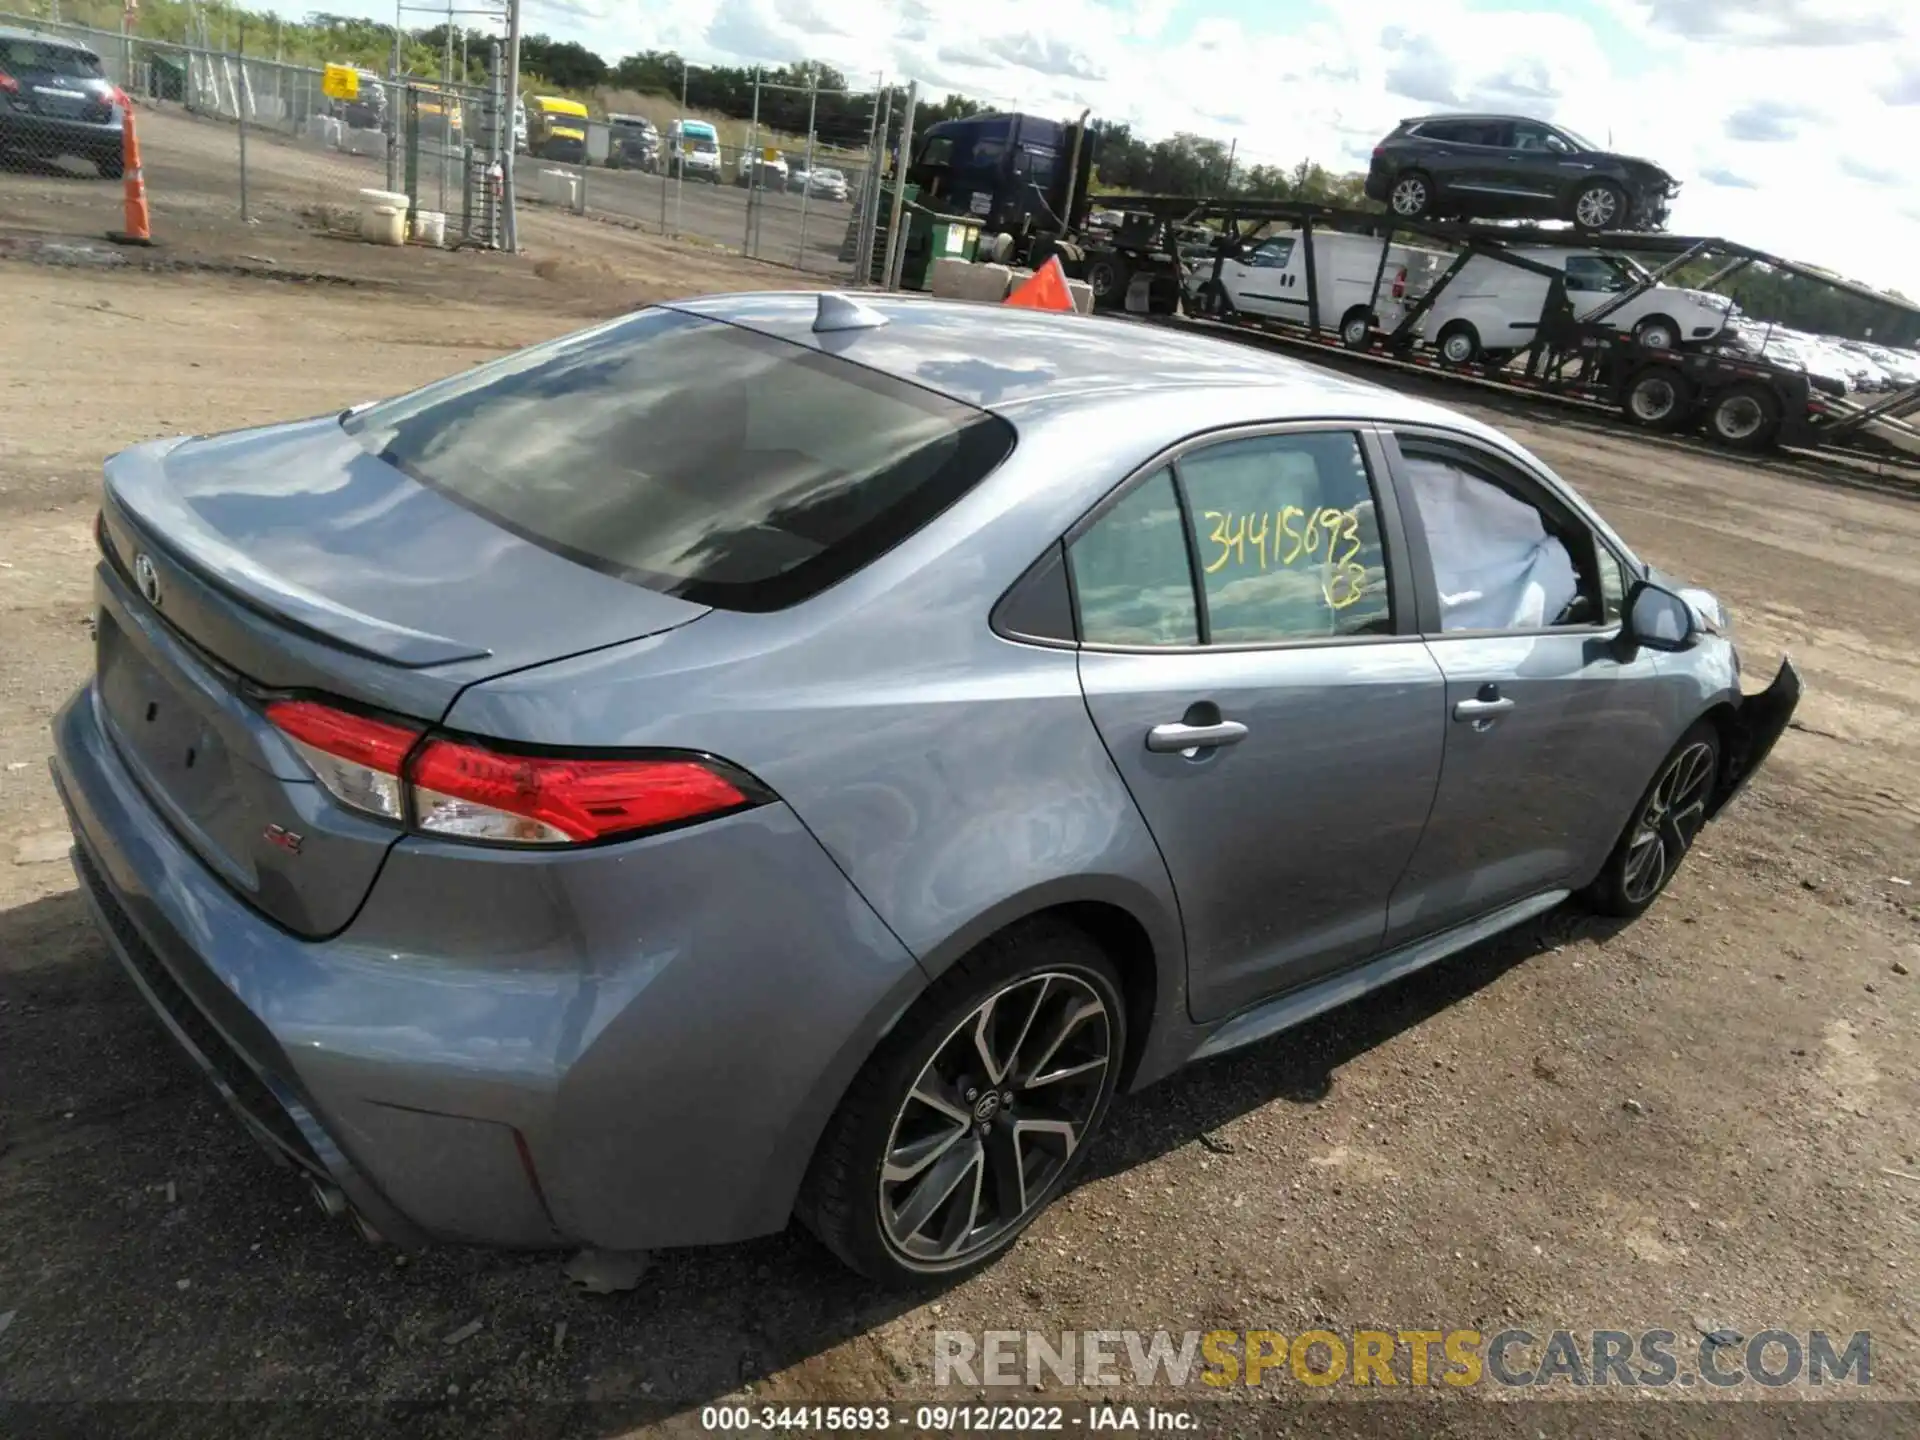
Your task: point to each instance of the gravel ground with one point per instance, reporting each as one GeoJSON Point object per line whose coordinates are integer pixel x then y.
{"type": "Point", "coordinates": [1705, 1120]}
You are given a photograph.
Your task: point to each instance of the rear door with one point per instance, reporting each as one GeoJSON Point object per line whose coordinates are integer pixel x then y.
{"type": "Point", "coordinates": [1247, 652]}
{"type": "Point", "coordinates": [1552, 730]}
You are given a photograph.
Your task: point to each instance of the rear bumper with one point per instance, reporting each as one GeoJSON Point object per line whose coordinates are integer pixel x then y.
{"type": "Point", "coordinates": [1758, 724]}
{"type": "Point", "coordinates": [632, 1048]}
{"type": "Point", "coordinates": [46, 135]}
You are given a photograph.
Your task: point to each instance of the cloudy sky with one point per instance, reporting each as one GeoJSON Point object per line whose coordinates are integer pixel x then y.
{"type": "Point", "coordinates": [1795, 124]}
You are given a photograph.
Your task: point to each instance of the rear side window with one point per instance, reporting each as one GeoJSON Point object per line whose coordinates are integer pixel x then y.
{"type": "Point", "coordinates": [1271, 540]}
{"type": "Point", "coordinates": [692, 457]}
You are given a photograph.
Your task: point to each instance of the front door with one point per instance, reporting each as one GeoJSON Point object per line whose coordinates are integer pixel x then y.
{"type": "Point", "coordinates": [1265, 282]}
{"type": "Point", "coordinates": [1551, 729]}
{"type": "Point", "coordinates": [1280, 732]}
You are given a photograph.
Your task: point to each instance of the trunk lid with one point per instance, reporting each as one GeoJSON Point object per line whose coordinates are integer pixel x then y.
{"type": "Point", "coordinates": [291, 559]}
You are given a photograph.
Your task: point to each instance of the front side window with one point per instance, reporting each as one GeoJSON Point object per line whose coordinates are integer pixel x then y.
{"type": "Point", "coordinates": [1502, 560]}
{"type": "Point", "coordinates": [1593, 274]}
{"type": "Point", "coordinates": [1279, 531]}
{"type": "Point", "coordinates": [693, 457]}
{"type": "Point", "coordinates": [1273, 255]}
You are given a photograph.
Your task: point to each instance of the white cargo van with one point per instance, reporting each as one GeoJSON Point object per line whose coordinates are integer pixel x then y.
{"type": "Point", "coordinates": [1491, 309]}
{"type": "Point", "coordinates": [1271, 281]}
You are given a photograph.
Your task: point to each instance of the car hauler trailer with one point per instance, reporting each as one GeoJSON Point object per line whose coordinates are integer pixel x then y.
{"type": "Point", "coordinates": [1575, 351]}
{"type": "Point", "coordinates": [1133, 251]}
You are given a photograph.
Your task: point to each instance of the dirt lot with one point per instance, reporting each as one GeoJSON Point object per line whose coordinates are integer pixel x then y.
{"type": "Point", "coordinates": [1690, 1123]}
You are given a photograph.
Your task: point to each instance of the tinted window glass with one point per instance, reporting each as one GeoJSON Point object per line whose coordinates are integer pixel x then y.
{"type": "Point", "coordinates": [1440, 130]}
{"type": "Point", "coordinates": [1131, 577]}
{"type": "Point", "coordinates": [1273, 255]}
{"type": "Point", "coordinates": [1289, 539]}
{"type": "Point", "coordinates": [693, 457]}
{"type": "Point", "coordinates": [49, 59]}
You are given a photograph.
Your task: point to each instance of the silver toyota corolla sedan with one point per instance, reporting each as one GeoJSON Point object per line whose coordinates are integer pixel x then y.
{"type": "Point", "coordinates": [782, 754]}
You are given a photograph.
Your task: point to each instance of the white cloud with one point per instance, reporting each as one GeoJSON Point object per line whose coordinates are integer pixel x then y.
{"type": "Point", "coordinates": [1794, 124]}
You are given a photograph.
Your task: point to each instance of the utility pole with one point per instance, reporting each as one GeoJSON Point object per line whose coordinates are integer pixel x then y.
{"type": "Point", "coordinates": [513, 110]}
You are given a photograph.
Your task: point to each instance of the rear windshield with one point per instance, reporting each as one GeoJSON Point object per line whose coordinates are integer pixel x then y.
{"type": "Point", "coordinates": [692, 457]}
{"type": "Point", "coordinates": [49, 59]}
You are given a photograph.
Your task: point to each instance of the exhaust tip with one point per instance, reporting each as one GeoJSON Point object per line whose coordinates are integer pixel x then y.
{"type": "Point", "coordinates": [330, 1198]}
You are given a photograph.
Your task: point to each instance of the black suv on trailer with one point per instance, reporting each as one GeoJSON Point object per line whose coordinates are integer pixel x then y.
{"type": "Point", "coordinates": [1507, 167]}
{"type": "Point", "coordinates": [56, 100]}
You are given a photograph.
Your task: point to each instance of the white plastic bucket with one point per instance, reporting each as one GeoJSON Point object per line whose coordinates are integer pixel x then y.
{"type": "Point", "coordinates": [384, 224]}
{"type": "Point", "coordinates": [430, 228]}
{"type": "Point", "coordinates": [395, 198]}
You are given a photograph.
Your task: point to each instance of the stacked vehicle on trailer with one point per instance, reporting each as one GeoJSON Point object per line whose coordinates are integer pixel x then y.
{"type": "Point", "coordinates": [1572, 311]}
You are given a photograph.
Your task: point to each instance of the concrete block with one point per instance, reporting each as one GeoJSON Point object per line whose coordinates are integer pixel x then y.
{"type": "Point", "coordinates": [1082, 294]}
{"type": "Point", "coordinates": [953, 279]}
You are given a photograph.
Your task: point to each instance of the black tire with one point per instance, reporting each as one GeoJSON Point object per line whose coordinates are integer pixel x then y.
{"type": "Point", "coordinates": [1599, 205]}
{"type": "Point", "coordinates": [1744, 417]}
{"type": "Point", "coordinates": [1108, 277]}
{"type": "Point", "coordinates": [1411, 195]}
{"type": "Point", "coordinates": [1356, 328]}
{"type": "Point", "coordinates": [1658, 397]}
{"type": "Point", "coordinates": [841, 1200]}
{"type": "Point", "coordinates": [1662, 828]}
{"type": "Point", "coordinates": [112, 165]}
{"type": "Point", "coordinates": [1459, 343]}
{"type": "Point", "coordinates": [1657, 332]}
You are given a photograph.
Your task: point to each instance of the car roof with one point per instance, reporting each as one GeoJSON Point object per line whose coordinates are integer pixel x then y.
{"type": "Point", "coordinates": [1477, 115]}
{"type": "Point", "coordinates": [1033, 366]}
{"type": "Point", "coordinates": [41, 37]}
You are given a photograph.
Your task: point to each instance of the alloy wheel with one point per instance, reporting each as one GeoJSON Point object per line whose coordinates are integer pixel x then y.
{"type": "Point", "coordinates": [993, 1119]}
{"type": "Point", "coordinates": [1596, 208]}
{"type": "Point", "coordinates": [1673, 815]}
{"type": "Point", "coordinates": [1410, 196]}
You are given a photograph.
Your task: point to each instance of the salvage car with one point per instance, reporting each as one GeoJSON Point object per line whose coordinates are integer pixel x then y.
{"type": "Point", "coordinates": [1507, 167]}
{"type": "Point", "coordinates": [56, 100]}
{"type": "Point", "coordinates": [754, 758]}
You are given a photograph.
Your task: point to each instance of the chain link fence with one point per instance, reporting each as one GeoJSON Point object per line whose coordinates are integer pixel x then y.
{"type": "Point", "coordinates": [227, 135]}
{"type": "Point", "coordinates": [783, 185]}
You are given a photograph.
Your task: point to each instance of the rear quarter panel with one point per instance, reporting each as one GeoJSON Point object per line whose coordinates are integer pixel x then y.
{"type": "Point", "coordinates": [955, 777]}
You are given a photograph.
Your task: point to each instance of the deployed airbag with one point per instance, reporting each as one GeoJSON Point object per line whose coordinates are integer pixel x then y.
{"type": "Point", "coordinates": [1494, 563]}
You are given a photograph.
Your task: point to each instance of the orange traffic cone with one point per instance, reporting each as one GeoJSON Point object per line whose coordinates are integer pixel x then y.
{"type": "Point", "coordinates": [134, 200]}
{"type": "Point", "coordinates": [1045, 289]}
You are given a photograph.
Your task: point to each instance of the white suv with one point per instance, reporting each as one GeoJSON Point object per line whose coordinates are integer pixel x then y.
{"type": "Point", "coordinates": [1492, 309]}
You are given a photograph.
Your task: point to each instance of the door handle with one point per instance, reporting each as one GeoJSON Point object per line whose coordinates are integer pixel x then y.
{"type": "Point", "coordinates": [1480, 709]}
{"type": "Point", "coordinates": [1170, 739]}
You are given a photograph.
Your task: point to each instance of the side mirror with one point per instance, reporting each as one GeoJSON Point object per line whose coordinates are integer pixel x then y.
{"type": "Point", "coordinates": [1659, 619]}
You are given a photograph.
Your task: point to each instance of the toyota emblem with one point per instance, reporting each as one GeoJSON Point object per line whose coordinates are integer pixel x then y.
{"type": "Point", "coordinates": [147, 578]}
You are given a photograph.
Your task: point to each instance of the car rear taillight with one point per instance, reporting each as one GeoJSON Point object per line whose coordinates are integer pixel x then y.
{"type": "Point", "coordinates": [8, 84]}
{"type": "Point", "coordinates": [464, 790]}
{"type": "Point", "coordinates": [356, 757]}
